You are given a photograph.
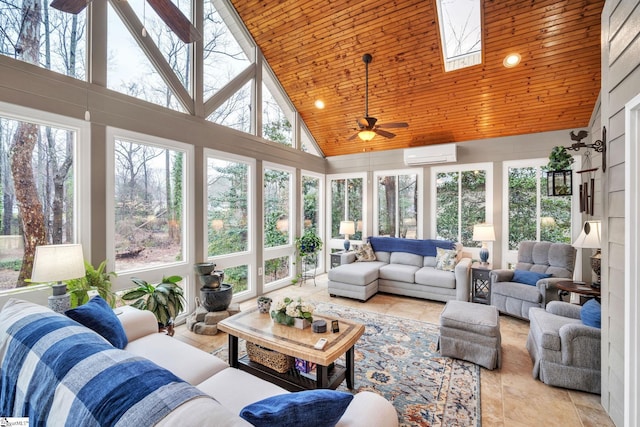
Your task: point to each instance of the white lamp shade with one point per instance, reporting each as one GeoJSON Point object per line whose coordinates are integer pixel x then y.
{"type": "Point", "coordinates": [347, 227]}
{"type": "Point", "coordinates": [483, 233]}
{"type": "Point", "coordinates": [55, 263]}
{"type": "Point", "coordinates": [589, 236]}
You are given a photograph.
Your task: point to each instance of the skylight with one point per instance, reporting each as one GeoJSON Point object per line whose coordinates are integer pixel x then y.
{"type": "Point", "coordinates": [460, 33]}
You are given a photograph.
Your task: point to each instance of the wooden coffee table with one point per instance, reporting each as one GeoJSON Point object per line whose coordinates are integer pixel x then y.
{"type": "Point", "coordinates": [260, 329]}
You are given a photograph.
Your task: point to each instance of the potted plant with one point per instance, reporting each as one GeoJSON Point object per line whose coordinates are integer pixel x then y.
{"type": "Point", "coordinates": [307, 246]}
{"type": "Point", "coordinates": [96, 280]}
{"type": "Point", "coordinates": [165, 300]}
{"type": "Point", "coordinates": [559, 178]}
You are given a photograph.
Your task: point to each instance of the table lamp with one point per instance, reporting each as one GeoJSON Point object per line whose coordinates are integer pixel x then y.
{"type": "Point", "coordinates": [347, 228]}
{"type": "Point", "coordinates": [483, 233]}
{"type": "Point", "coordinates": [55, 263]}
{"type": "Point", "coordinates": [589, 238]}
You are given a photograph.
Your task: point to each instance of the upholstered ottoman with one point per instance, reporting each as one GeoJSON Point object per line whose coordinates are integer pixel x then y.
{"type": "Point", "coordinates": [471, 332]}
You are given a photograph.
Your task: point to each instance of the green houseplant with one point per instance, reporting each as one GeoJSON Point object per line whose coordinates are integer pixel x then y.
{"type": "Point", "coordinates": [165, 300]}
{"type": "Point", "coordinates": [559, 159]}
{"type": "Point", "coordinates": [95, 280]}
{"type": "Point", "coordinates": [307, 246]}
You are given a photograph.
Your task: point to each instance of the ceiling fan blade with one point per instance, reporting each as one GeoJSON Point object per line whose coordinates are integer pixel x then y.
{"type": "Point", "coordinates": [384, 133]}
{"type": "Point", "coordinates": [394, 125]}
{"type": "Point", "coordinates": [175, 19]}
{"type": "Point", "coordinates": [352, 137]}
{"type": "Point", "coordinates": [69, 6]}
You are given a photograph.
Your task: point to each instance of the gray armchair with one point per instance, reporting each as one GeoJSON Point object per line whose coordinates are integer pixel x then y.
{"type": "Point", "coordinates": [515, 298]}
{"type": "Point", "coordinates": [565, 352]}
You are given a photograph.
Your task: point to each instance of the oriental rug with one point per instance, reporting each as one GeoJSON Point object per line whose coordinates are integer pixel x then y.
{"type": "Point", "coordinates": [398, 359]}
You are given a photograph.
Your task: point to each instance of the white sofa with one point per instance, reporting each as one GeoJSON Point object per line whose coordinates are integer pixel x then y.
{"type": "Point", "coordinates": [226, 390]}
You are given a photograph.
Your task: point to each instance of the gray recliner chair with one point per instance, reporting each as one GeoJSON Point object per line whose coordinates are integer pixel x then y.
{"type": "Point", "coordinates": [565, 352]}
{"type": "Point", "coordinates": [513, 298]}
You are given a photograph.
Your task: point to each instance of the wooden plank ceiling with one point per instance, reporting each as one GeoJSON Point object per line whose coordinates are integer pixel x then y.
{"type": "Point", "coordinates": [315, 49]}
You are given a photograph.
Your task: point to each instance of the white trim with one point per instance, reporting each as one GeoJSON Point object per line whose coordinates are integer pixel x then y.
{"type": "Point", "coordinates": [419, 172]}
{"type": "Point", "coordinates": [321, 216]}
{"type": "Point", "coordinates": [332, 243]}
{"type": "Point", "coordinates": [632, 274]}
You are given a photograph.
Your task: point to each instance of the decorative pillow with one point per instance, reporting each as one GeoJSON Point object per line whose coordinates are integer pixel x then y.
{"type": "Point", "coordinates": [97, 315]}
{"type": "Point", "coordinates": [311, 408]}
{"type": "Point", "coordinates": [365, 253]}
{"type": "Point", "coordinates": [590, 313]}
{"type": "Point", "coordinates": [528, 277]}
{"type": "Point", "coordinates": [446, 259]}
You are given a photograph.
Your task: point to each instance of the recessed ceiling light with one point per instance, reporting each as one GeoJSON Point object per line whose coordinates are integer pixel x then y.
{"type": "Point", "coordinates": [511, 60]}
{"type": "Point", "coordinates": [319, 104]}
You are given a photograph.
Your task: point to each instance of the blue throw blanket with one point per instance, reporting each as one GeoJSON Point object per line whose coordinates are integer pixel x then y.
{"type": "Point", "coordinates": [413, 246]}
{"type": "Point", "coordinates": [57, 372]}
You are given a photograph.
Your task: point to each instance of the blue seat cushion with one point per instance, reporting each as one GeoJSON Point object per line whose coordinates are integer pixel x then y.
{"type": "Point", "coordinates": [528, 277]}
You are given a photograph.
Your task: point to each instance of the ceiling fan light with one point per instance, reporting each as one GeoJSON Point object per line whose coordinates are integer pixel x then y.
{"type": "Point", "coordinates": [366, 135]}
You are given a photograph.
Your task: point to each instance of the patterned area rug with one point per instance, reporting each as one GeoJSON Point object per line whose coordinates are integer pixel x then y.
{"type": "Point", "coordinates": [398, 359]}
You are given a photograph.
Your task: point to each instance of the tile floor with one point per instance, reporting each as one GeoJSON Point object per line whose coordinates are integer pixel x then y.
{"type": "Point", "coordinates": [509, 396]}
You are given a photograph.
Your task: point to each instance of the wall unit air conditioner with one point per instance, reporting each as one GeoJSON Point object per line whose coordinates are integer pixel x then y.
{"type": "Point", "coordinates": [430, 154]}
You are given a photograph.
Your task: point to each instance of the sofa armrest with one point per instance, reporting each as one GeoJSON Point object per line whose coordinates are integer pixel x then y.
{"type": "Point", "coordinates": [500, 276]}
{"type": "Point", "coordinates": [348, 257]}
{"type": "Point", "coordinates": [548, 289]}
{"type": "Point", "coordinates": [369, 409]}
{"type": "Point", "coordinates": [580, 345]}
{"type": "Point", "coordinates": [564, 309]}
{"type": "Point", "coordinates": [461, 271]}
{"type": "Point", "coordinates": [136, 323]}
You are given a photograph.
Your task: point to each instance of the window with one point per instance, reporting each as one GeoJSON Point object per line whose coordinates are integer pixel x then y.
{"type": "Point", "coordinates": [311, 207]}
{"type": "Point", "coordinates": [278, 207]}
{"type": "Point", "coordinates": [235, 112]}
{"type": "Point", "coordinates": [44, 207]}
{"type": "Point", "coordinates": [229, 222]}
{"type": "Point", "coordinates": [531, 214]}
{"type": "Point", "coordinates": [397, 204]}
{"type": "Point", "coordinates": [346, 204]}
{"type": "Point", "coordinates": [460, 201]}
{"type": "Point", "coordinates": [460, 33]}
{"type": "Point", "coordinates": [276, 113]}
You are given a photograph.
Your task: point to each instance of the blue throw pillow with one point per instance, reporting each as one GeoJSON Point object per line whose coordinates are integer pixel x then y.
{"type": "Point", "coordinates": [311, 408]}
{"type": "Point", "coordinates": [528, 277]}
{"type": "Point", "coordinates": [590, 313]}
{"type": "Point", "coordinates": [97, 315]}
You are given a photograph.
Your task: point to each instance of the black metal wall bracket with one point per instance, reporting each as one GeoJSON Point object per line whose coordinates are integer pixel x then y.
{"type": "Point", "coordinates": [599, 146]}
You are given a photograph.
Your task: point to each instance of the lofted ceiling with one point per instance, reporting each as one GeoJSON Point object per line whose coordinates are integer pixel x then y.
{"type": "Point", "coordinates": [315, 49]}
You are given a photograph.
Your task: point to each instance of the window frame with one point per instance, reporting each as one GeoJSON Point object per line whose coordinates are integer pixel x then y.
{"type": "Point", "coordinates": [420, 202]}
{"type": "Point", "coordinates": [338, 244]}
{"type": "Point", "coordinates": [321, 215]}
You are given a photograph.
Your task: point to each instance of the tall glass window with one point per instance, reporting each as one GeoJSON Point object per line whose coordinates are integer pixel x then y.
{"type": "Point", "coordinates": [397, 201]}
{"type": "Point", "coordinates": [277, 199]}
{"type": "Point", "coordinates": [346, 204]}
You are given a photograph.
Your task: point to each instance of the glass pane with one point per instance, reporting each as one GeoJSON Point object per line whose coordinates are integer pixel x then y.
{"type": "Point", "coordinates": [148, 205]}
{"type": "Point", "coordinates": [276, 126]}
{"type": "Point", "coordinates": [354, 205]}
{"type": "Point", "coordinates": [227, 207]}
{"type": "Point", "coordinates": [129, 71]}
{"type": "Point", "coordinates": [522, 205]}
{"type": "Point", "coordinates": [235, 112]}
{"type": "Point", "coordinates": [311, 204]}
{"type": "Point", "coordinates": [555, 215]}
{"type": "Point", "coordinates": [338, 208]}
{"type": "Point", "coordinates": [276, 269]}
{"type": "Point", "coordinates": [473, 195]}
{"type": "Point", "coordinates": [387, 206]}
{"type": "Point", "coordinates": [408, 205]}
{"type": "Point", "coordinates": [62, 49]}
{"type": "Point", "coordinates": [306, 145]}
{"type": "Point", "coordinates": [37, 184]}
{"type": "Point", "coordinates": [447, 205]}
{"type": "Point", "coordinates": [460, 32]}
{"type": "Point", "coordinates": [224, 58]}
{"type": "Point", "coordinates": [238, 277]}
{"type": "Point", "coordinates": [277, 190]}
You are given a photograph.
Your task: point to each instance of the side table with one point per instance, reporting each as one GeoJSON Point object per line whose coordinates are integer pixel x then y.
{"type": "Point", "coordinates": [337, 258]}
{"type": "Point", "coordinates": [585, 290]}
{"type": "Point", "coordinates": [480, 283]}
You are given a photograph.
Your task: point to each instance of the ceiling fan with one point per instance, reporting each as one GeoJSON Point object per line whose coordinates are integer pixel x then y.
{"type": "Point", "coordinates": [166, 10]}
{"type": "Point", "coordinates": [367, 125]}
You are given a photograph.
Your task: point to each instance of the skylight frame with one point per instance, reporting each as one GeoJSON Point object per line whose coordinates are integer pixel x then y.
{"type": "Point", "coordinates": [470, 53]}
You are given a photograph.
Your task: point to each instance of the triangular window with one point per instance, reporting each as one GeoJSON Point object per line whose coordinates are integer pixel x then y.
{"type": "Point", "coordinates": [276, 116]}
{"type": "Point", "coordinates": [235, 112]}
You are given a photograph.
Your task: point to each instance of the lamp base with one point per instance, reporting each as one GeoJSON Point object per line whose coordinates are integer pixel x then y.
{"type": "Point", "coordinates": [484, 255]}
{"type": "Point", "coordinates": [60, 301]}
{"type": "Point", "coordinates": [347, 244]}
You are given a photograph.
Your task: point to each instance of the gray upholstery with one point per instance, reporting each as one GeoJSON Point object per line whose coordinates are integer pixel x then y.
{"type": "Point", "coordinates": [471, 332]}
{"type": "Point", "coordinates": [564, 351]}
{"type": "Point", "coordinates": [517, 299]}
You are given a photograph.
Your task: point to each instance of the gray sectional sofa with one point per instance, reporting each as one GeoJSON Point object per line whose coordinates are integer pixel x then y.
{"type": "Point", "coordinates": [402, 267]}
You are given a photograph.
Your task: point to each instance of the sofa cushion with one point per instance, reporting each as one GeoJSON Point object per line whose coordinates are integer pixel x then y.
{"type": "Point", "coordinates": [357, 273]}
{"type": "Point", "coordinates": [528, 277]}
{"type": "Point", "coordinates": [365, 253]}
{"type": "Point", "coordinates": [406, 258]}
{"type": "Point", "coordinates": [446, 259]}
{"type": "Point", "coordinates": [590, 313]}
{"type": "Point", "coordinates": [429, 276]}
{"type": "Point", "coordinates": [97, 315]}
{"type": "Point", "coordinates": [398, 272]}
{"type": "Point", "coordinates": [517, 291]}
{"type": "Point", "coordinates": [383, 256]}
{"type": "Point", "coordinates": [311, 408]}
